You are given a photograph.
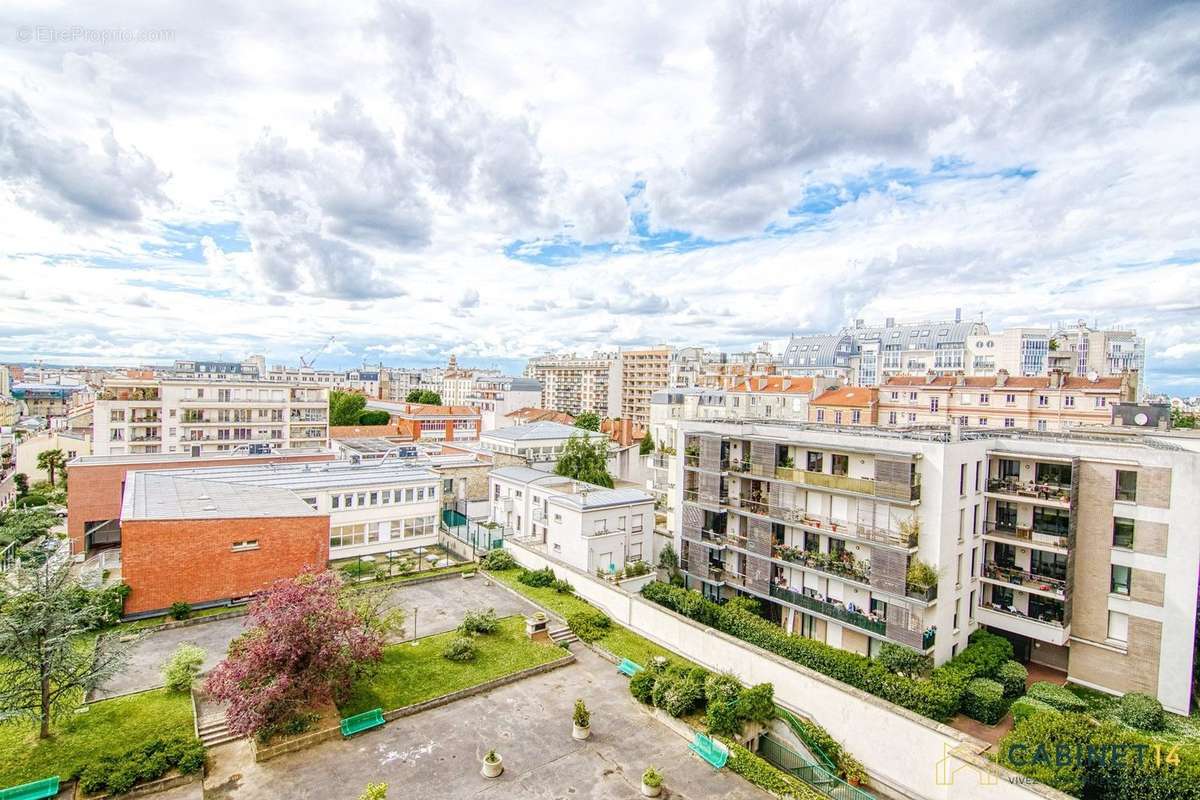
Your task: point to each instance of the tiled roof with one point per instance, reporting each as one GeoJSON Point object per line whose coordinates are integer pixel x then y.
{"type": "Point", "coordinates": [848, 396]}
{"type": "Point", "coordinates": [530, 414]}
{"type": "Point", "coordinates": [775, 384]}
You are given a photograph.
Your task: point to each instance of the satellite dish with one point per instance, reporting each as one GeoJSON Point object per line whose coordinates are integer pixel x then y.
{"type": "Point", "coordinates": [1140, 418]}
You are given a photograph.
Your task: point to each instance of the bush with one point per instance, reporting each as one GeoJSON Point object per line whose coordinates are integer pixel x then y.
{"type": "Point", "coordinates": [903, 660]}
{"type": "Point", "coordinates": [357, 569]}
{"type": "Point", "coordinates": [537, 578]}
{"type": "Point", "coordinates": [589, 624]}
{"type": "Point", "coordinates": [563, 586]}
{"type": "Point", "coordinates": [498, 560]}
{"type": "Point", "coordinates": [374, 791]}
{"type": "Point", "coordinates": [1025, 707]}
{"type": "Point", "coordinates": [461, 648]}
{"type": "Point", "coordinates": [479, 622]}
{"type": "Point", "coordinates": [641, 686]}
{"type": "Point", "coordinates": [180, 610]}
{"type": "Point", "coordinates": [581, 716]}
{"type": "Point", "coordinates": [683, 692]}
{"type": "Point", "coordinates": [182, 667]}
{"type": "Point", "coordinates": [119, 774]}
{"type": "Point", "coordinates": [984, 657]}
{"type": "Point", "coordinates": [1013, 676]}
{"type": "Point", "coordinates": [766, 777]}
{"type": "Point", "coordinates": [1058, 697]}
{"type": "Point", "coordinates": [757, 704]}
{"type": "Point", "coordinates": [1141, 711]}
{"type": "Point", "coordinates": [984, 700]}
{"type": "Point", "coordinates": [652, 778]}
{"type": "Point", "coordinates": [637, 569]}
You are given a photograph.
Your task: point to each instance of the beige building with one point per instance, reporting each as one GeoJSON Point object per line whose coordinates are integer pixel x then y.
{"type": "Point", "coordinates": [643, 372]}
{"type": "Point", "coordinates": [574, 384]}
{"type": "Point", "coordinates": [1054, 402]}
{"type": "Point", "coordinates": [26, 451]}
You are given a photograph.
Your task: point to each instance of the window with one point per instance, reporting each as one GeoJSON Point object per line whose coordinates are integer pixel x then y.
{"type": "Point", "coordinates": [895, 395]}
{"type": "Point", "coordinates": [1126, 486]}
{"type": "Point", "coordinates": [374, 498]}
{"type": "Point", "coordinates": [840, 464]}
{"type": "Point", "coordinates": [598, 526]}
{"type": "Point", "coordinates": [347, 535]}
{"type": "Point", "coordinates": [985, 399]}
{"type": "Point", "coordinates": [312, 501]}
{"type": "Point", "coordinates": [820, 415]}
{"type": "Point", "coordinates": [891, 418]}
{"type": "Point", "coordinates": [420, 526]}
{"type": "Point", "coordinates": [1058, 474]}
{"type": "Point", "coordinates": [408, 495]}
{"type": "Point", "coordinates": [962, 479]}
{"type": "Point", "coordinates": [386, 497]}
{"type": "Point", "coordinates": [420, 493]}
{"type": "Point", "coordinates": [1048, 565]}
{"type": "Point", "coordinates": [933, 404]}
{"type": "Point", "coordinates": [1118, 626]}
{"type": "Point", "coordinates": [1010, 422]}
{"type": "Point", "coordinates": [1123, 533]}
{"type": "Point", "coordinates": [964, 421]}
{"type": "Point", "coordinates": [837, 418]}
{"type": "Point", "coordinates": [635, 551]}
{"type": "Point", "coordinates": [1119, 580]}
{"type": "Point", "coordinates": [978, 473]}
{"type": "Point", "coordinates": [983, 422]}
{"type": "Point", "coordinates": [1043, 401]}
{"type": "Point", "coordinates": [1041, 424]}
{"type": "Point", "coordinates": [621, 522]}
{"type": "Point", "coordinates": [1010, 399]}
{"type": "Point", "coordinates": [637, 523]}
{"type": "Point", "coordinates": [971, 607]}
{"type": "Point", "coordinates": [974, 558]}
{"type": "Point", "coordinates": [1069, 401]}
{"type": "Point", "coordinates": [244, 545]}
{"type": "Point", "coordinates": [958, 562]}
{"type": "Point", "coordinates": [1101, 402]}
{"type": "Point", "coordinates": [856, 416]}
{"type": "Point", "coordinates": [1051, 521]}
{"type": "Point", "coordinates": [816, 462]}
{"type": "Point", "coordinates": [956, 605]}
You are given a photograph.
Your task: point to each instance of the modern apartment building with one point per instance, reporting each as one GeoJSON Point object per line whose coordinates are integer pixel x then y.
{"type": "Point", "coordinates": [185, 415]}
{"type": "Point", "coordinates": [1080, 350]}
{"type": "Point", "coordinates": [366, 382]}
{"type": "Point", "coordinates": [1076, 547]}
{"type": "Point", "coordinates": [643, 372]}
{"type": "Point", "coordinates": [697, 367]}
{"type": "Point", "coordinates": [574, 384]}
{"type": "Point", "coordinates": [497, 396]}
{"type": "Point", "coordinates": [589, 527]}
{"type": "Point", "coordinates": [1054, 402]}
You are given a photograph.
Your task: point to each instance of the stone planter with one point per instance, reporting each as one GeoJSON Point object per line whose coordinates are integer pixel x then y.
{"type": "Point", "coordinates": [651, 791]}
{"type": "Point", "coordinates": [580, 733]}
{"type": "Point", "coordinates": [492, 769]}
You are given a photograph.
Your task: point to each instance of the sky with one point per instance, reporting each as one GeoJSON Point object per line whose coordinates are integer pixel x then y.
{"type": "Point", "coordinates": [502, 180]}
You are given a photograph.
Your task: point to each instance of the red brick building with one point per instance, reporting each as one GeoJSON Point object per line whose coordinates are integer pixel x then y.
{"type": "Point", "coordinates": [427, 423]}
{"type": "Point", "coordinates": [97, 485]}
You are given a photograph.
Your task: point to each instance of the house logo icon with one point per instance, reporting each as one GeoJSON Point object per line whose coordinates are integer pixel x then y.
{"type": "Point", "coordinates": [950, 769]}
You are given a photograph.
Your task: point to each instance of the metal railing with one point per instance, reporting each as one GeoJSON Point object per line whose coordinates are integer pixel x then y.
{"type": "Point", "coordinates": [1027, 535]}
{"type": "Point", "coordinates": [840, 613]}
{"type": "Point", "coordinates": [1057, 623]}
{"type": "Point", "coordinates": [815, 775]}
{"type": "Point", "coordinates": [841, 483]}
{"type": "Point", "coordinates": [1023, 579]}
{"type": "Point", "coordinates": [1029, 489]}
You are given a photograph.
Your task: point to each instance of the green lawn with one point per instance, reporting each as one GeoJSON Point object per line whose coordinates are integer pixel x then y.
{"type": "Point", "coordinates": [1105, 707]}
{"type": "Point", "coordinates": [110, 727]}
{"type": "Point", "coordinates": [425, 573]}
{"type": "Point", "coordinates": [619, 641]}
{"type": "Point", "coordinates": [413, 673]}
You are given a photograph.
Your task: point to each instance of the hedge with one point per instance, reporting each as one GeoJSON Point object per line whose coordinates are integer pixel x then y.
{"type": "Point", "coordinates": [983, 700]}
{"type": "Point", "coordinates": [588, 625]}
{"type": "Point", "coordinates": [119, 774]}
{"type": "Point", "coordinates": [1013, 676]}
{"type": "Point", "coordinates": [1142, 711]}
{"type": "Point", "coordinates": [937, 696]}
{"type": "Point", "coordinates": [1025, 707]}
{"type": "Point", "coordinates": [1056, 696]}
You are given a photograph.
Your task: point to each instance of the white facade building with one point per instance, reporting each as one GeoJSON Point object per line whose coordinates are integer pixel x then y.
{"type": "Point", "coordinates": [575, 384]}
{"type": "Point", "coordinates": [537, 442]}
{"type": "Point", "coordinates": [497, 396]}
{"type": "Point", "coordinates": [589, 527]}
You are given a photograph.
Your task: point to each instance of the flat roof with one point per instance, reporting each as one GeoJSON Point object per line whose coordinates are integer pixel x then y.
{"type": "Point", "coordinates": [315, 475]}
{"type": "Point", "coordinates": [162, 495]}
{"type": "Point", "coordinates": [565, 491]}
{"type": "Point", "coordinates": [170, 458]}
{"type": "Point", "coordinates": [543, 429]}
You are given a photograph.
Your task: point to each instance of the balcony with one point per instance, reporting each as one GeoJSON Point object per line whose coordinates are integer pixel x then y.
{"type": "Point", "coordinates": [832, 527]}
{"type": "Point", "coordinates": [660, 461]}
{"type": "Point", "coordinates": [1048, 494]}
{"type": "Point", "coordinates": [705, 572]}
{"type": "Point", "coordinates": [1040, 584]}
{"type": "Point", "coordinates": [1026, 537]}
{"type": "Point", "coordinates": [693, 461]}
{"type": "Point", "coordinates": [833, 611]}
{"type": "Point", "coordinates": [713, 539]}
{"type": "Point", "coordinates": [841, 483]}
{"type": "Point", "coordinates": [153, 437]}
{"type": "Point", "coordinates": [149, 419]}
{"type": "Point", "coordinates": [1044, 630]}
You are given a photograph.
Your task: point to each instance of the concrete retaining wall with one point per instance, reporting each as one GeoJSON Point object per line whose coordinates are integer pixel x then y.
{"type": "Point", "coordinates": [909, 754]}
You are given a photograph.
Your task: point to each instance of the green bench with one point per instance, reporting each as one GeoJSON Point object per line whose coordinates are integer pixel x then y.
{"type": "Point", "coordinates": [627, 667]}
{"type": "Point", "coordinates": [711, 751]}
{"type": "Point", "coordinates": [38, 790]}
{"type": "Point", "coordinates": [362, 722]}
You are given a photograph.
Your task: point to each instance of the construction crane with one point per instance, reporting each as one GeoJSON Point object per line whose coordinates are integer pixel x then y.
{"type": "Point", "coordinates": [307, 361]}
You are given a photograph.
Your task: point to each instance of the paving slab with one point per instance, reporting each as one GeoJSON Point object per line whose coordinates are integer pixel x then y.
{"type": "Point", "coordinates": [148, 654]}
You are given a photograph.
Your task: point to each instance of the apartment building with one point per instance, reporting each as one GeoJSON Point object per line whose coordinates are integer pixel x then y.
{"type": "Point", "coordinates": [574, 384]}
{"type": "Point", "coordinates": [366, 382]}
{"type": "Point", "coordinates": [498, 396]}
{"type": "Point", "coordinates": [46, 400]}
{"type": "Point", "coordinates": [643, 372]}
{"type": "Point", "coordinates": [72, 444]}
{"type": "Point", "coordinates": [5, 383]}
{"type": "Point", "coordinates": [147, 414]}
{"type": "Point", "coordinates": [1054, 402]}
{"type": "Point", "coordinates": [846, 405]}
{"type": "Point", "coordinates": [524, 416]}
{"type": "Point", "coordinates": [422, 422]}
{"type": "Point", "coordinates": [535, 442]}
{"type": "Point", "coordinates": [698, 367]}
{"type": "Point", "coordinates": [589, 527]}
{"type": "Point", "coordinates": [1075, 547]}
{"type": "Point", "coordinates": [1081, 350]}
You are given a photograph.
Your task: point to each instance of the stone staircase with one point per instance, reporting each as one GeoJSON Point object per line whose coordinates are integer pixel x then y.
{"type": "Point", "coordinates": [214, 730]}
{"type": "Point", "coordinates": [563, 636]}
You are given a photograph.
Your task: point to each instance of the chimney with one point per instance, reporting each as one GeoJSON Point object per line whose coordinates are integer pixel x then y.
{"type": "Point", "coordinates": [1001, 377]}
{"type": "Point", "coordinates": [1056, 379]}
{"type": "Point", "coordinates": [958, 315]}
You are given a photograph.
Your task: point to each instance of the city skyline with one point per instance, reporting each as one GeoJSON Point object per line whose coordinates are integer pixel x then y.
{"type": "Point", "coordinates": [589, 180]}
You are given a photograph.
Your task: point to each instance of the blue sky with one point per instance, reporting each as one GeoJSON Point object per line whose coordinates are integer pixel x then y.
{"type": "Point", "coordinates": [418, 179]}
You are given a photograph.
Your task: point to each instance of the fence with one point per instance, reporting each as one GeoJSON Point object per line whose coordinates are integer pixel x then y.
{"type": "Point", "coordinates": [797, 765]}
{"type": "Point", "coordinates": [479, 537]}
{"type": "Point", "coordinates": [8, 557]}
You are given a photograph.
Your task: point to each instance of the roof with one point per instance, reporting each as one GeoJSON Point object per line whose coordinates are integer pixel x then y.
{"type": "Point", "coordinates": [848, 397]}
{"type": "Point", "coordinates": [183, 458]}
{"type": "Point", "coordinates": [361, 431]}
{"type": "Point", "coordinates": [564, 491]}
{"type": "Point", "coordinates": [164, 494]}
{"type": "Point", "coordinates": [531, 414]}
{"type": "Point", "coordinates": [524, 474]}
{"type": "Point", "coordinates": [308, 477]}
{"type": "Point", "coordinates": [540, 430]}
{"type": "Point", "coordinates": [775, 384]}
{"type": "Point", "coordinates": [828, 350]}
{"type": "Point", "coordinates": [414, 410]}
{"type": "Point", "coordinates": [511, 383]}
{"type": "Point", "coordinates": [1012, 382]}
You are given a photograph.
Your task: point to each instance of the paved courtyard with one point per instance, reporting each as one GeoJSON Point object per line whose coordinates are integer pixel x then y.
{"type": "Point", "coordinates": [146, 658]}
{"type": "Point", "coordinates": [436, 754]}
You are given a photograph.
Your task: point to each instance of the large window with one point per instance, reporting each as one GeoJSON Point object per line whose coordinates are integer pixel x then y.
{"type": "Point", "coordinates": [1123, 532]}
{"type": "Point", "coordinates": [1119, 580]}
{"type": "Point", "coordinates": [348, 535]}
{"type": "Point", "coordinates": [420, 526]}
{"type": "Point", "coordinates": [1006, 516]}
{"type": "Point", "coordinates": [1056, 474]}
{"type": "Point", "coordinates": [840, 465]}
{"type": "Point", "coordinates": [816, 462]}
{"type": "Point", "coordinates": [1053, 521]}
{"type": "Point", "coordinates": [1048, 565]}
{"type": "Point", "coordinates": [1126, 486]}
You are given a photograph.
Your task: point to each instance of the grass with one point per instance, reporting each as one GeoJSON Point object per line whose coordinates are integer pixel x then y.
{"type": "Point", "coordinates": [619, 641]}
{"type": "Point", "coordinates": [1106, 707]}
{"type": "Point", "coordinates": [414, 673]}
{"type": "Point", "coordinates": [425, 573]}
{"type": "Point", "coordinates": [110, 727]}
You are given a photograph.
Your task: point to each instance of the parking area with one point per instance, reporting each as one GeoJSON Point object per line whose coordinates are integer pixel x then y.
{"type": "Point", "coordinates": [437, 753]}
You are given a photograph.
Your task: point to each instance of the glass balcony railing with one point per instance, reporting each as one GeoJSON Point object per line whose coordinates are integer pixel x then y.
{"type": "Point", "coordinates": [1025, 580]}
{"type": "Point", "coordinates": [843, 483]}
{"type": "Point", "coordinates": [831, 610]}
{"type": "Point", "coordinates": [1030, 490]}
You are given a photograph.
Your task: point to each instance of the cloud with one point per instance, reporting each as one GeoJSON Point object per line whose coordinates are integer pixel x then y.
{"type": "Point", "coordinates": [470, 299]}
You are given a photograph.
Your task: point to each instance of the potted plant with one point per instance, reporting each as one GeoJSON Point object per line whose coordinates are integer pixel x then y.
{"type": "Point", "coordinates": [651, 782]}
{"type": "Point", "coordinates": [582, 722]}
{"type": "Point", "coordinates": [493, 765]}
{"type": "Point", "coordinates": [853, 771]}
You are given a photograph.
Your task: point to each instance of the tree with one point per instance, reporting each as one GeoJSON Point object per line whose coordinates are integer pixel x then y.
{"type": "Point", "coordinates": [182, 667]}
{"type": "Point", "coordinates": [345, 407]}
{"type": "Point", "coordinates": [588, 420]}
{"type": "Point", "coordinates": [1180, 419]}
{"type": "Point", "coordinates": [21, 481]}
{"type": "Point", "coordinates": [48, 664]}
{"type": "Point", "coordinates": [306, 646]}
{"type": "Point", "coordinates": [51, 461]}
{"type": "Point", "coordinates": [427, 396]}
{"type": "Point", "coordinates": [23, 525]}
{"type": "Point", "coordinates": [374, 418]}
{"type": "Point", "coordinates": [647, 445]}
{"type": "Point", "coordinates": [585, 460]}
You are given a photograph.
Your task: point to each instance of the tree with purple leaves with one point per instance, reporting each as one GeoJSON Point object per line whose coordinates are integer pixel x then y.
{"type": "Point", "coordinates": [307, 645]}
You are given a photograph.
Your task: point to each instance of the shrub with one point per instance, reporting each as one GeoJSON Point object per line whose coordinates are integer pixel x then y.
{"type": "Point", "coordinates": [984, 700]}
{"type": "Point", "coordinates": [722, 718]}
{"type": "Point", "coordinates": [182, 667]}
{"type": "Point", "coordinates": [563, 586]}
{"type": "Point", "coordinates": [903, 660]}
{"type": "Point", "coordinates": [684, 691]}
{"type": "Point", "coordinates": [498, 560]}
{"type": "Point", "coordinates": [757, 704]}
{"type": "Point", "coordinates": [180, 610]}
{"type": "Point", "coordinates": [1025, 707]}
{"type": "Point", "coordinates": [479, 621]}
{"type": "Point", "coordinates": [1141, 711]}
{"type": "Point", "coordinates": [581, 717]}
{"type": "Point", "coordinates": [374, 791]}
{"type": "Point", "coordinates": [1056, 696]}
{"type": "Point", "coordinates": [722, 686]}
{"type": "Point", "coordinates": [460, 648]}
{"type": "Point", "coordinates": [537, 578]}
{"type": "Point", "coordinates": [984, 657]}
{"type": "Point", "coordinates": [637, 569]}
{"type": "Point", "coordinates": [1012, 675]}
{"type": "Point", "coordinates": [652, 778]}
{"type": "Point", "coordinates": [148, 762]}
{"type": "Point", "coordinates": [641, 686]}
{"type": "Point", "coordinates": [357, 569]}
{"type": "Point", "coordinates": [588, 624]}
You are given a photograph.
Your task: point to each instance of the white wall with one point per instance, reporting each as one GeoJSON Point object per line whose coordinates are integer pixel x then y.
{"type": "Point", "coordinates": [908, 753]}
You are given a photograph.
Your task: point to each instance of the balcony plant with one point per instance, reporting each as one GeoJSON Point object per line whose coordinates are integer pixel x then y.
{"type": "Point", "coordinates": [692, 450]}
{"type": "Point", "coordinates": [651, 782]}
{"type": "Point", "coordinates": [493, 765]}
{"type": "Point", "coordinates": [921, 576]}
{"type": "Point", "coordinates": [910, 531]}
{"type": "Point", "coordinates": [581, 727]}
